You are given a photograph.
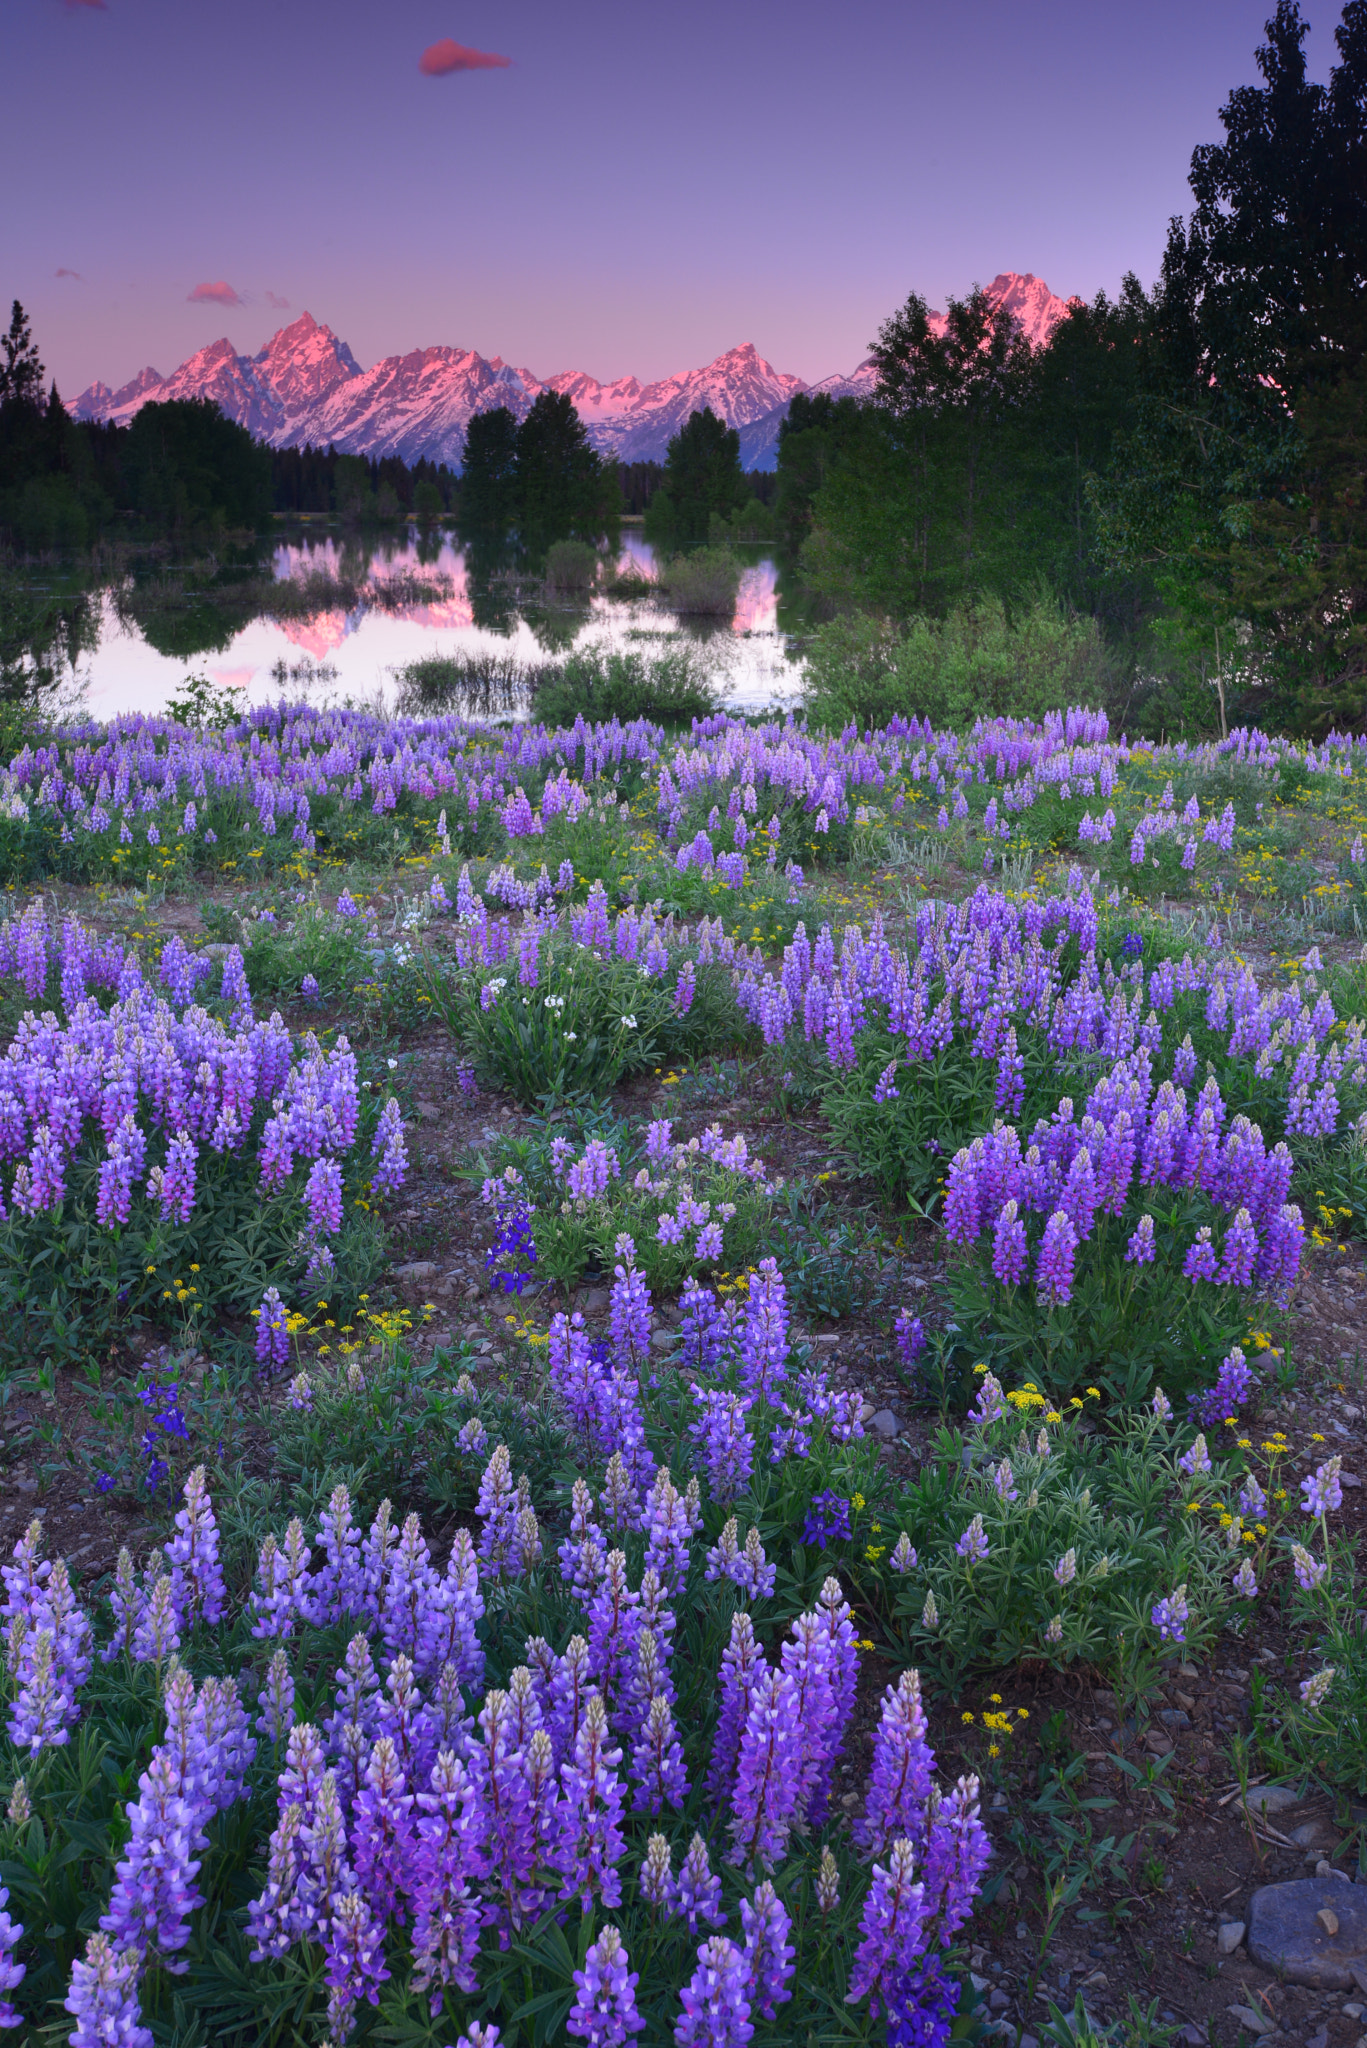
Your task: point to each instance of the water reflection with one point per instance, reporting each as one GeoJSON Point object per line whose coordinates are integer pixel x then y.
{"type": "Point", "coordinates": [337, 617]}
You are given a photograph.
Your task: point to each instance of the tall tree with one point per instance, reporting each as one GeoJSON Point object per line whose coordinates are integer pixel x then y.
{"type": "Point", "coordinates": [1244, 482]}
{"type": "Point", "coordinates": [564, 491]}
{"type": "Point", "coordinates": [21, 371]}
{"type": "Point", "coordinates": [702, 478]}
{"type": "Point", "coordinates": [488, 490]}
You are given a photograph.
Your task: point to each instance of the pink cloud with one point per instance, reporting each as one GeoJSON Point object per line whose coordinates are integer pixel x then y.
{"type": "Point", "coordinates": [439, 58]}
{"type": "Point", "coordinates": [281, 305]}
{"type": "Point", "coordinates": [71, 5]}
{"type": "Point", "coordinates": [62, 271]}
{"type": "Point", "coordinates": [219, 294]}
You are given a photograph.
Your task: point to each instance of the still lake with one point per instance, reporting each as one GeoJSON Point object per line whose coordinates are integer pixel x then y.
{"type": "Point", "coordinates": [355, 652]}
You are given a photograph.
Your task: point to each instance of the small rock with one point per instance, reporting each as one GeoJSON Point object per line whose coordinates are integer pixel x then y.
{"type": "Point", "coordinates": [1187, 1671]}
{"type": "Point", "coordinates": [998, 2000]}
{"type": "Point", "coordinates": [1022, 1931]}
{"type": "Point", "coordinates": [1192, 2037]}
{"type": "Point", "coordinates": [1319, 2039]}
{"type": "Point", "coordinates": [1311, 1834]}
{"type": "Point", "coordinates": [662, 1340]}
{"type": "Point", "coordinates": [1028, 2041]}
{"type": "Point", "coordinates": [1272, 1798]}
{"type": "Point", "coordinates": [980, 1984]}
{"type": "Point", "coordinates": [1159, 1743]}
{"type": "Point", "coordinates": [1353, 2010]}
{"type": "Point", "coordinates": [594, 1297]}
{"type": "Point", "coordinates": [416, 1269]}
{"type": "Point", "coordinates": [999, 1802]}
{"type": "Point", "coordinates": [1173, 1717]}
{"type": "Point", "coordinates": [886, 1423]}
{"type": "Point", "coordinates": [849, 1801]}
{"type": "Point", "coordinates": [1256, 2022]}
{"type": "Point", "coordinates": [1286, 1934]}
{"type": "Point", "coordinates": [1349, 1479]}
{"type": "Point", "coordinates": [426, 1108]}
{"type": "Point", "coordinates": [1328, 1919]}
{"type": "Point", "coordinates": [1230, 1936]}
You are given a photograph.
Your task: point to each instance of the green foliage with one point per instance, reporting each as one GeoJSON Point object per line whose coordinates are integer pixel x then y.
{"type": "Point", "coordinates": [702, 481]}
{"type": "Point", "coordinates": [1116, 1500]}
{"type": "Point", "coordinates": [488, 486]}
{"type": "Point", "coordinates": [564, 490]}
{"type": "Point", "coordinates": [704, 582]}
{"type": "Point", "coordinates": [572, 566]}
{"type": "Point", "coordinates": [204, 706]}
{"type": "Point", "coordinates": [187, 466]}
{"type": "Point", "coordinates": [673, 686]}
{"type": "Point", "coordinates": [979, 662]}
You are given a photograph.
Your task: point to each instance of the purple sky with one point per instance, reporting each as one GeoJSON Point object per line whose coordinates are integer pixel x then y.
{"type": "Point", "coordinates": [641, 188]}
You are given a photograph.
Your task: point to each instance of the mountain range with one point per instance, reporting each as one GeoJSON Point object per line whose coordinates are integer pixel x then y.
{"type": "Point", "coordinates": [306, 385]}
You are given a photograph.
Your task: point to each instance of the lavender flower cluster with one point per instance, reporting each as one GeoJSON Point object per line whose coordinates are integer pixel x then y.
{"type": "Point", "coordinates": [1130, 1136]}
{"type": "Point", "coordinates": [406, 1825]}
{"type": "Point", "coordinates": [145, 1077]}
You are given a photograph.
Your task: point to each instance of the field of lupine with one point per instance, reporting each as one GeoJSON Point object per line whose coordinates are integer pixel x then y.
{"type": "Point", "coordinates": [444, 1695]}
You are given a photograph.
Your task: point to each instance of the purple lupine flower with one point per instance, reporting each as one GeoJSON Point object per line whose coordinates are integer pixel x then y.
{"type": "Point", "coordinates": [119, 1171]}
{"type": "Point", "coordinates": [1310, 1571]}
{"type": "Point", "coordinates": [716, 2007]}
{"type": "Point", "coordinates": [1246, 1581]}
{"type": "Point", "coordinates": [103, 1997]}
{"type": "Point", "coordinates": [910, 1335]}
{"type": "Point", "coordinates": [892, 1929]}
{"type": "Point", "coordinates": [768, 1952]}
{"type": "Point", "coordinates": [656, 1882]}
{"type": "Point", "coordinates": [408, 1593]}
{"type": "Point", "coordinates": [604, 2011]}
{"type": "Point", "coordinates": [726, 1449]}
{"type": "Point", "coordinates": [1054, 1266]}
{"type": "Point", "coordinates": [972, 1546]}
{"type": "Point", "coordinates": [1141, 1248]}
{"type": "Point", "coordinates": [173, 1185]}
{"type": "Point", "coordinates": [1315, 1689]}
{"type": "Point", "coordinates": [886, 1089]}
{"type": "Point", "coordinates": [630, 1310]}
{"type": "Point", "coordinates": [764, 1344]}
{"type": "Point", "coordinates": [671, 1520]}
{"type": "Point", "coordinates": [1196, 1460]}
{"type": "Point", "coordinates": [272, 1333]}
{"type": "Point", "coordinates": [43, 1705]}
{"type": "Point", "coordinates": [1240, 1252]}
{"type": "Point", "coordinates": [154, 1894]}
{"type": "Point", "coordinates": [1199, 1263]}
{"type": "Point", "coordinates": [1279, 1261]}
{"type": "Point", "coordinates": [445, 1916]}
{"type": "Point", "coordinates": [382, 1834]}
{"type": "Point", "coordinates": [355, 1961]}
{"type": "Point", "coordinates": [196, 1574]}
{"type": "Point", "coordinates": [1170, 1616]}
{"type": "Point", "coordinates": [323, 1197]}
{"type": "Point", "coordinates": [591, 1842]}
{"type": "Point", "coordinates": [764, 1801]}
{"type": "Point", "coordinates": [12, 1974]}
{"type": "Point", "coordinates": [277, 1700]}
{"type": "Point", "coordinates": [1252, 1499]}
{"type": "Point", "coordinates": [990, 1405]}
{"type": "Point", "coordinates": [498, 1508]}
{"type": "Point", "coordinates": [828, 1519]}
{"type": "Point", "coordinates": [1322, 1491]}
{"type": "Point", "coordinates": [742, 1661]}
{"type": "Point", "coordinates": [158, 1630]}
{"type": "Point", "coordinates": [1009, 1252]}
{"type": "Point", "coordinates": [657, 1761]}
{"type": "Point", "coordinates": [1232, 1388]}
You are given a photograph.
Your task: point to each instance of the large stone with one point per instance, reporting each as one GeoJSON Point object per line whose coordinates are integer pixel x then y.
{"type": "Point", "coordinates": [1289, 1931]}
{"type": "Point", "coordinates": [885, 1422]}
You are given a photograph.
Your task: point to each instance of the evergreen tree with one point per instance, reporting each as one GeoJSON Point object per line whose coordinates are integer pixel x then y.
{"type": "Point", "coordinates": [564, 491]}
{"type": "Point", "coordinates": [21, 371]}
{"type": "Point", "coordinates": [702, 478]}
{"type": "Point", "coordinates": [488, 488]}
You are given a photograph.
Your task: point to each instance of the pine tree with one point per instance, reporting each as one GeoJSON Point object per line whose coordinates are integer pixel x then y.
{"type": "Point", "coordinates": [488, 490]}
{"type": "Point", "coordinates": [21, 372]}
{"type": "Point", "coordinates": [702, 477]}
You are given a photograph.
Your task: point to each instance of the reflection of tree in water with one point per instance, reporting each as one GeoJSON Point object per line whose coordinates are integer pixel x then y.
{"type": "Point", "coordinates": [480, 685]}
{"type": "Point", "coordinates": [489, 581]}
{"type": "Point", "coordinates": [43, 633]}
{"type": "Point", "coordinates": [305, 674]}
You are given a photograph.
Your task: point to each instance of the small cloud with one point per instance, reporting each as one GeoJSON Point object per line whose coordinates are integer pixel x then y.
{"type": "Point", "coordinates": [439, 58]}
{"type": "Point", "coordinates": [72, 5]}
{"type": "Point", "coordinates": [219, 294]}
{"type": "Point", "coordinates": [62, 271]}
{"type": "Point", "coordinates": [282, 305]}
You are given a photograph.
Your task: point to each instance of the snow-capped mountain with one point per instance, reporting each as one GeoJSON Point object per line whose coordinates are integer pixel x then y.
{"type": "Point", "coordinates": [305, 385]}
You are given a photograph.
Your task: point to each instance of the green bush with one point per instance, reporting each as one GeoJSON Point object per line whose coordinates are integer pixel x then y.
{"type": "Point", "coordinates": [704, 582]}
{"type": "Point", "coordinates": [572, 566]}
{"type": "Point", "coordinates": [979, 662]}
{"type": "Point", "coordinates": [1084, 1532]}
{"type": "Point", "coordinates": [673, 686]}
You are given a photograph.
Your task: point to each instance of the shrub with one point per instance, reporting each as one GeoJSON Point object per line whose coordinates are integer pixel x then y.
{"type": "Point", "coordinates": [482, 685]}
{"type": "Point", "coordinates": [572, 566]}
{"type": "Point", "coordinates": [1030, 1539]}
{"type": "Point", "coordinates": [672, 686]}
{"type": "Point", "coordinates": [704, 582]}
{"type": "Point", "coordinates": [979, 662]}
